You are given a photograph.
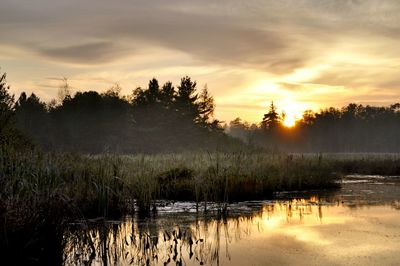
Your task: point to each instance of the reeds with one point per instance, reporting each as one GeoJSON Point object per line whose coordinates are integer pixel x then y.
{"type": "Point", "coordinates": [112, 185]}
{"type": "Point", "coordinates": [40, 192]}
{"type": "Point", "coordinates": [107, 185]}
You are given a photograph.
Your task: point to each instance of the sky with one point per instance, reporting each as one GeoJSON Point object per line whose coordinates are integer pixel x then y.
{"type": "Point", "coordinates": [301, 54]}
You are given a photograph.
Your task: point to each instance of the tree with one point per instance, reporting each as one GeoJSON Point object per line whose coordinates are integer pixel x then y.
{"type": "Point", "coordinates": [167, 94]}
{"type": "Point", "coordinates": [31, 117]}
{"type": "Point", "coordinates": [308, 117]}
{"type": "Point", "coordinates": [6, 109]}
{"type": "Point", "coordinates": [9, 135]}
{"type": "Point", "coordinates": [149, 96]}
{"type": "Point", "coordinates": [6, 103]}
{"type": "Point", "coordinates": [186, 98]}
{"type": "Point", "coordinates": [193, 107]}
{"type": "Point", "coordinates": [241, 129]}
{"type": "Point", "coordinates": [64, 92]}
{"type": "Point", "coordinates": [395, 107]}
{"type": "Point", "coordinates": [154, 119]}
{"type": "Point", "coordinates": [113, 91]}
{"type": "Point", "coordinates": [205, 107]}
{"type": "Point", "coordinates": [271, 119]}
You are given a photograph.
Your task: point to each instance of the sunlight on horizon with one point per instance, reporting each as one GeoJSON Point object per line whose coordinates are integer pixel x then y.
{"type": "Point", "coordinates": [289, 121]}
{"type": "Point", "coordinates": [293, 111]}
{"type": "Point", "coordinates": [291, 103]}
{"type": "Point", "coordinates": [327, 60]}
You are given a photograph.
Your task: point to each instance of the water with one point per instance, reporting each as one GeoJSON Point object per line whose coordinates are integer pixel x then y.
{"type": "Point", "coordinates": [356, 225]}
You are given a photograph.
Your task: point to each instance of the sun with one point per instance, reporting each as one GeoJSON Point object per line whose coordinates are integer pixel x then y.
{"type": "Point", "coordinates": [289, 121]}
{"type": "Point", "coordinates": [292, 111]}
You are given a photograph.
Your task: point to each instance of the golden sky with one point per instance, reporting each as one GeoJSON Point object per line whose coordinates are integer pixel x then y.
{"type": "Point", "coordinates": [302, 54]}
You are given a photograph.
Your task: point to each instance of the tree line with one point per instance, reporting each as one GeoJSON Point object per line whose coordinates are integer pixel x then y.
{"type": "Point", "coordinates": [153, 119]}
{"type": "Point", "coordinates": [353, 128]}
{"type": "Point", "coordinates": [171, 119]}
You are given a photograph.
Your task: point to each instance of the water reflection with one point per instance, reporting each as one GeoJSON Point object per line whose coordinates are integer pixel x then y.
{"type": "Point", "coordinates": [352, 226]}
{"type": "Point", "coordinates": [182, 239]}
{"type": "Point", "coordinates": [154, 240]}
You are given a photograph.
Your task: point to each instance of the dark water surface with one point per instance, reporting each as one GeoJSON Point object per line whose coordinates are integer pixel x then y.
{"type": "Point", "coordinates": [356, 225]}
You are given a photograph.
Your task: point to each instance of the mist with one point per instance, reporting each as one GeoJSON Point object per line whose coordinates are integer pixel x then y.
{"type": "Point", "coordinates": [167, 118]}
{"type": "Point", "coordinates": [353, 128]}
{"type": "Point", "coordinates": [158, 118]}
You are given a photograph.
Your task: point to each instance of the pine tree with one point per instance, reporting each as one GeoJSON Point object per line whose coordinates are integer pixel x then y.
{"type": "Point", "coordinates": [6, 105]}
{"type": "Point", "coordinates": [271, 119]}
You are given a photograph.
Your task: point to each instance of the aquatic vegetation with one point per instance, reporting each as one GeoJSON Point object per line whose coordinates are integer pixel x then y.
{"type": "Point", "coordinates": [106, 185]}
{"type": "Point", "coordinates": [211, 238]}
{"type": "Point", "coordinates": [41, 192]}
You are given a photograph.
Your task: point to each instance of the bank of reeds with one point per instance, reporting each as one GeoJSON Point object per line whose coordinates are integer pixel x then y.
{"type": "Point", "coordinates": [39, 192]}
{"type": "Point", "coordinates": [102, 184]}
{"type": "Point", "coordinates": [106, 185]}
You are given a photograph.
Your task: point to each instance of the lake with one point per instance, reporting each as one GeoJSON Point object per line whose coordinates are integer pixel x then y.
{"type": "Point", "coordinates": [358, 224]}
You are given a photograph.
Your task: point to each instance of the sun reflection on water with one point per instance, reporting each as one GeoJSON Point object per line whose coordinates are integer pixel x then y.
{"type": "Point", "coordinates": [184, 239]}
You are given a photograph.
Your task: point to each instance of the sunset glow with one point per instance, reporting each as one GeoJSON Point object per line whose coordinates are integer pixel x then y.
{"type": "Point", "coordinates": [247, 54]}
{"type": "Point", "coordinates": [292, 111]}
{"type": "Point", "coordinates": [208, 132]}
{"type": "Point", "coordinates": [289, 121]}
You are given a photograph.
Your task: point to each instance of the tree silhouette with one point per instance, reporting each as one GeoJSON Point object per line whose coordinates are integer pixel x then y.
{"type": "Point", "coordinates": [206, 107]}
{"type": "Point", "coordinates": [153, 119]}
{"type": "Point", "coordinates": [6, 102]}
{"type": "Point", "coordinates": [6, 109]}
{"type": "Point", "coordinates": [186, 100]}
{"type": "Point", "coordinates": [271, 119]}
{"type": "Point", "coordinates": [31, 117]}
{"type": "Point", "coordinates": [168, 119]}
{"type": "Point", "coordinates": [353, 128]}
{"type": "Point", "coordinates": [64, 92]}
{"type": "Point", "coordinates": [9, 135]}
{"type": "Point", "coordinates": [167, 95]}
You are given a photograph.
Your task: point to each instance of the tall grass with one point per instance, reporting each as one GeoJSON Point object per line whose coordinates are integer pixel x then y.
{"type": "Point", "coordinates": [40, 192]}
{"type": "Point", "coordinates": [110, 184]}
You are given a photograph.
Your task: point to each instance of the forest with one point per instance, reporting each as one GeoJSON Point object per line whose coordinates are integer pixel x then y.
{"type": "Point", "coordinates": [353, 128]}
{"type": "Point", "coordinates": [155, 119]}
{"type": "Point", "coordinates": [173, 119]}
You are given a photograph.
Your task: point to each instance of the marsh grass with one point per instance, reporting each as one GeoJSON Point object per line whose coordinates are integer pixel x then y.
{"type": "Point", "coordinates": [40, 192]}
{"type": "Point", "coordinates": [107, 185]}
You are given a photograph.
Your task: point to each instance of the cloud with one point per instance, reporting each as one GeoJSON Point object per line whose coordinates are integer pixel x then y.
{"type": "Point", "coordinates": [227, 39]}
{"type": "Point", "coordinates": [87, 53]}
{"type": "Point", "coordinates": [291, 86]}
{"type": "Point", "coordinates": [357, 42]}
{"type": "Point", "coordinates": [273, 36]}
